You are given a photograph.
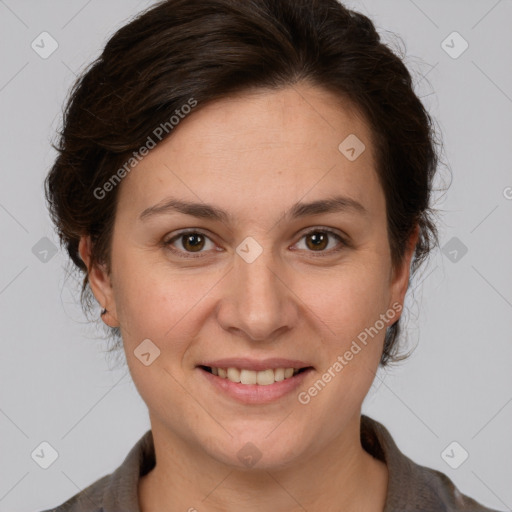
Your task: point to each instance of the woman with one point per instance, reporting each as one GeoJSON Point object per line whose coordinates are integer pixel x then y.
{"type": "Point", "coordinates": [246, 187]}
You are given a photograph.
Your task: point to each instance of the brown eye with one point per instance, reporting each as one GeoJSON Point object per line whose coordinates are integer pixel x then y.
{"type": "Point", "coordinates": [192, 242]}
{"type": "Point", "coordinates": [188, 243]}
{"type": "Point", "coordinates": [318, 239]}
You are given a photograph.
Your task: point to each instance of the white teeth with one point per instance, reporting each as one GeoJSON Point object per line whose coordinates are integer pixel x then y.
{"type": "Point", "coordinates": [234, 374]}
{"type": "Point", "coordinates": [279, 374]}
{"type": "Point", "coordinates": [262, 378]}
{"type": "Point", "coordinates": [247, 377]}
{"type": "Point", "coordinates": [265, 377]}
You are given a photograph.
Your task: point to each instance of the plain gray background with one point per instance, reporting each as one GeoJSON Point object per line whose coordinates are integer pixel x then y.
{"type": "Point", "coordinates": [56, 382]}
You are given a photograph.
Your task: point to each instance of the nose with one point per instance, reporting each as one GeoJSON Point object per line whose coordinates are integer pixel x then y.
{"type": "Point", "coordinates": [258, 300]}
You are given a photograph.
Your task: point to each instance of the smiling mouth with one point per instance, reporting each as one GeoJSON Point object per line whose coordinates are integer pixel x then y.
{"type": "Point", "coordinates": [251, 377]}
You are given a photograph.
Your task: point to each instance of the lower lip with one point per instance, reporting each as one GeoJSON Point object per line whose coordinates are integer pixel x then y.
{"type": "Point", "coordinates": [255, 393]}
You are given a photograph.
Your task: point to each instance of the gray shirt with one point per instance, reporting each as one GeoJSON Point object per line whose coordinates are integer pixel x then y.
{"type": "Point", "coordinates": [411, 487]}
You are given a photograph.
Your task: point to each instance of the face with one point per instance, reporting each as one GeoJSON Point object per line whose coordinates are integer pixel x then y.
{"type": "Point", "coordinates": [254, 274]}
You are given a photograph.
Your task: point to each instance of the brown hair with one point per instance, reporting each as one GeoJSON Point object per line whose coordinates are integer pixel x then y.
{"type": "Point", "coordinates": [208, 50]}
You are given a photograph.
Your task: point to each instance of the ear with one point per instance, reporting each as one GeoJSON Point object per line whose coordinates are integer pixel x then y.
{"type": "Point", "coordinates": [100, 283]}
{"type": "Point", "coordinates": [400, 276]}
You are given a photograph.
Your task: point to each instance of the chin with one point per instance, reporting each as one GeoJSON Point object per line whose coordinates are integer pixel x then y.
{"type": "Point", "coordinates": [257, 452]}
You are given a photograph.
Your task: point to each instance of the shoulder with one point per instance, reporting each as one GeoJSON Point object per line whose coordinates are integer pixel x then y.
{"type": "Point", "coordinates": [88, 500]}
{"type": "Point", "coordinates": [410, 485]}
{"type": "Point", "coordinates": [118, 490]}
{"type": "Point", "coordinates": [434, 491]}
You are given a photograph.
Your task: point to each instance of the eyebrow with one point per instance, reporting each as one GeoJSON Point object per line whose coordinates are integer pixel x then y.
{"type": "Point", "coordinates": [334, 204]}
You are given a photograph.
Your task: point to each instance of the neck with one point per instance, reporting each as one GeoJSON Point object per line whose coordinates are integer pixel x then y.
{"type": "Point", "coordinates": [184, 479]}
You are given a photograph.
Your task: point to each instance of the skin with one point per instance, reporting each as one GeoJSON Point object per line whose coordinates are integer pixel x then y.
{"type": "Point", "coordinates": [255, 155]}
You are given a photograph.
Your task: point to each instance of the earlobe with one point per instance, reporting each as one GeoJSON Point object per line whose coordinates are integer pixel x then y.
{"type": "Point", "coordinates": [99, 282]}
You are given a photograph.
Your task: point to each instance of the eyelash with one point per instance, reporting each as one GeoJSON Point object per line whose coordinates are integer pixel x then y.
{"type": "Point", "coordinates": [168, 243]}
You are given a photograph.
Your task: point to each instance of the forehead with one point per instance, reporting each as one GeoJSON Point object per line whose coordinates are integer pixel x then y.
{"type": "Point", "coordinates": [258, 149]}
{"type": "Point", "coordinates": [292, 118]}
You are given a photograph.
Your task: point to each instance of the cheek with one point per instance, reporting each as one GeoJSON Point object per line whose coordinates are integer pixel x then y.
{"type": "Point", "coordinates": [159, 303]}
{"type": "Point", "coordinates": [351, 300]}
{"type": "Point", "coordinates": [351, 307]}
{"type": "Point", "coordinates": [353, 340]}
{"type": "Point", "coordinates": [145, 301]}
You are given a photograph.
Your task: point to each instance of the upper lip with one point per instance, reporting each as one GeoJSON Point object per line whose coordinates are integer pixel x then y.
{"type": "Point", "coordinates": [244, 363]}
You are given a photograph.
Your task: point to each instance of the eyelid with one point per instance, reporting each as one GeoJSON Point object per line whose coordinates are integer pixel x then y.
{"type": "Point", "coordinates": [167, 242]}
{"type": "Point", "coordinates": [330, 231]}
